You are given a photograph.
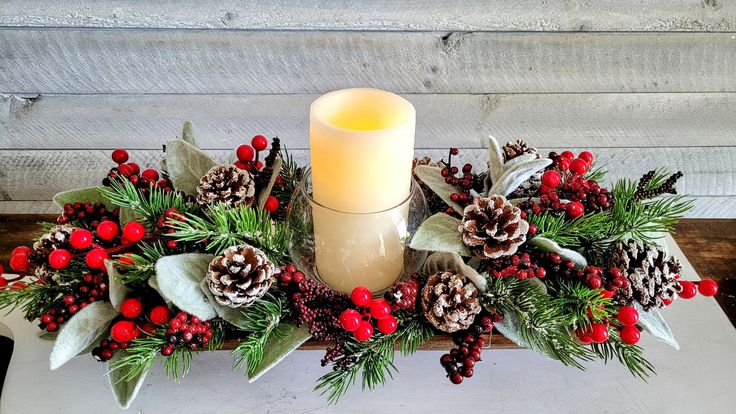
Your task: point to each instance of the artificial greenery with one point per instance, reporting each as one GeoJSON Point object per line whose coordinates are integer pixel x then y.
{"type": "Point", "coordinates": [582, 305]}
{"type": "Point", "coordinates": [262, 322]}
{"type": "Point", "coordinates": [148, 207]}
{"type": "Point", "coordinates": [143, 266]}
{"type": "Point", "coordinates": [631, 356]}
{"type": "Point", "coordinates": [292, 175]}
{"type": "Point", "coordinates": [33, 300]}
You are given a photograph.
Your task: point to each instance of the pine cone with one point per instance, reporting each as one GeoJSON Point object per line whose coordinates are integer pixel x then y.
{"type": "Point", "coordinates": [56, 238]}
{"type": "Point", "coordinates": [240, 276]}
{"type": "Point", "coordinates": [449, 301]}
{"type": "Point", "coordinates": [514, 149]}
{"type": "Point", "coordinates": [650, 273]}
{"type": "Point", "coordinates": [226, 184]}
{"type": "Point", "coordinates": [492, 227]}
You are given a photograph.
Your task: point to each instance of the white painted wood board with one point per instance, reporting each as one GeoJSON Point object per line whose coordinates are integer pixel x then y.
{"type": "Point", "coordinates": [145, 121]}
{"type": "Point", "coordinates": [698, 378]}
{"type": "Point", "coordinates": [501, 15]}
{"type": "Point", "coordinates": [61, 60]}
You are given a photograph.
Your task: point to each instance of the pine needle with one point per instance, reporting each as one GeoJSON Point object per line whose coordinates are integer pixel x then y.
{"type": "Point", "coordinates": [144, 264]}
{"type": "Point", "coordinates": [150, 207]}
{"type": "Point", "coordinates": [262, 321]}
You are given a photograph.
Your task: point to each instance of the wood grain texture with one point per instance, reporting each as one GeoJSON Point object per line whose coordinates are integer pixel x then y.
{"type": "Point", "coordinates": [223, 121]}
{"type": "Point", "coordinates": [710, 173]}
{"type": "Point", "coordinates": [502, 15]}
{"type": "Point", "coordinates": [51, 60]}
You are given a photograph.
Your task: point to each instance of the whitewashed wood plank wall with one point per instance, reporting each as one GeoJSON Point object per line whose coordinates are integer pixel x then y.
{"type": "Point", "coordinates": [642, 83]}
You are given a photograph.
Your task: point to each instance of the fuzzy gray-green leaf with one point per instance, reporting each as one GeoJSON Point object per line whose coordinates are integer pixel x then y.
{"type": "Point", "coordinates": [277, 348]}
{"type": "Point", "coordinates": [233, 316]}
{"type": "Point", "coordinates": [439, 233]}
{"type": "Point", "coordinates": [443, 261]}
{"type": "Point", "coordinates": [80, 331]}
{"type": "Point", "coordinates": [432, 178]}
{"type": "Point", "coordinates": [178, 278]}
{"type": "Point", "coordinates": [117, 291]}
{"type": "Point", "coordinates": [517, 174]}
{"type": "Point", "coordinates": [186, 164]}
{"type": "Point", "coordinates": [124, 391]}
{"type": "Point", "coordinates": [495, 160]}
{"type": "Point", "coordinates": [187, 133]}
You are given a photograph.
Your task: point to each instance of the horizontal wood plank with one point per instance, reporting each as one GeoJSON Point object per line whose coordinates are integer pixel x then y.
{"type": "Point", "coordinates": [501, 15]}
{"type": "Point", "coordinates": [223, 121]}
{"type": "Point", "coordinates": [36, 175]}
{"type": "Point", "coordinates": [52, 60]}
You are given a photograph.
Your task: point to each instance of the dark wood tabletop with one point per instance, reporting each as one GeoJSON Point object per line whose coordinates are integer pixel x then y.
{"type": "Point", "coordinates": [710, 246]}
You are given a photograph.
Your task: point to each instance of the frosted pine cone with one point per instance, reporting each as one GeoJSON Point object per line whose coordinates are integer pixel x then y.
{"type": "Point", "coordinates": [514, 149]}
{"type": "Point", "coordinates": [650, 273]}
{"type": "Point", "coordinates": [240, 276]}
{"type": "Point", "coordinates": [56, 238]}
{"type": "Point", "coordinates": [226, 184]}
{"type": "Point", "coordinates": [449, 301]}
{"type": "Point", "coordinates": [492, 227]}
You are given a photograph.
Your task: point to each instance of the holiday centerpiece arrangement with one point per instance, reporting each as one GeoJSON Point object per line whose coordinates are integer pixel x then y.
{"type": "Point", "coordinates": [265, 254]}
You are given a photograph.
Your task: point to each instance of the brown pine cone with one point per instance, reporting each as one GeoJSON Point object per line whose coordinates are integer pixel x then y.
{"type": "Point", "coordinates": [226, 184]}
{"type": "Point", "coordinates": [56, 238]}
{"type": "Point", "coordinates": [240, 276]}
{"type": "Point", "coordinates": [651, 275]}
{"type": "Point", "coordinates": [514, 149]}
{"type": "Point", "coordinates": [449, 301]}
{"type": "Point", "coordinates": [492, 227]}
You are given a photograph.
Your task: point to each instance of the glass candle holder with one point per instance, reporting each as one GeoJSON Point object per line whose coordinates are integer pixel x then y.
{"type": "Point", "coordinates": [346, 250]}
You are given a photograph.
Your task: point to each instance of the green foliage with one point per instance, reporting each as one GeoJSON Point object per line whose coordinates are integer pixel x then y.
{"type": "Point", "coordinates": [569, 233]}
{"type": "Point", "coordinates": [262, 321]}
{"type": "Point", "coordinates": [631, 356]}
{"type": "Point", "coordinates": [33, 300]}
{"type": "Point", "coordinates": [581, 305]}
{"type": "Point", "coordinates": [414, 332]}
{"type": "Point", "coordinates": [226, 226]}
{"type": "Point", "coordinates": [596, 173]}
{"type": "Point", "coordinates": [292, 175]}
{"type": "Point", "coordinates": [144, 264]}
{"type": "Point", "coordinates": [150, 207]}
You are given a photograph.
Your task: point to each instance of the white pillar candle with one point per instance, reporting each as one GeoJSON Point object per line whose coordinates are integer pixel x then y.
{"type": "Point", "coordinates": [362, 146]}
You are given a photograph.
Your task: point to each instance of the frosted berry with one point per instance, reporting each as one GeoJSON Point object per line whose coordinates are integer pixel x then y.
{"type": "Point", "coordinates": [551, 178]}
{"type": "Point", "coordinates": [586, 156]}
{"type": "Point", "coordinates": [95, 258]}
{"type": "Point", "coordinates": [19, 262]}
{"type": "Point", "coordinates": [630, 335]}
{"type": "Point", "coordinates": [350, 320]}
{"type": "Point", "coordinates": [628, 315]}
{"type": "Point", "coordinates": [60, 259]}
{"type": "Point", "coordinates": [380, 309]}
{"type": "Point", "coordinates": [708, 287]}
{"type": "Point", "coordinates": [388, 325]}
{"type": "Point", "coordinates": [574, 209]}
{"type": "Point", "coordinates": [245, 153]}
{"type": "Point", "coordinates": [578, 166]}
{"type": "Point", "coordinates": [133, 231]}
{"type": "Point", "coordinates": [272, 204]}
{"type": "Point", "coordinates": [361, 296]}
{"type": "Point", "coordinates": [120, 156]}
{"type": "Point", "coordinates": [131, 308]}
{"type": "Point", "coordinates": [81, 239]}
{"type": "Point", "coordinates": [259, 142]}
{"type": "Point", "coordinates": [159, 315]}
{"type": "Point", "coordinates": [124, 331]}
{"type": "Point", "coordinates": [688, 289]}
{"type": "Point", "coordinates": [364, 331]}
{"type": "Point", "coordinates": [599, 332]}
{"type": "Point", "coordinates": [107, 230]}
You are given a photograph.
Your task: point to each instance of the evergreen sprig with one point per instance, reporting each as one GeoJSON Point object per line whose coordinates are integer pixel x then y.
{"type": "Point", "coordinates": [292, 175]}
{"type": "Point", "coordinates": [582, 305]}
{"type": "Point", "coordinates": [144, 264]}
{"type": "Point", "coordinates": [631, 356]}
{"type": "Point", "coordinates": [34, 300]}
{"type": "Point", "coordinates": [262, 322]}
{"type": "Point", "coordinates": [596, 173]}
{"type": "Point", "coordinates": [570, 233]}
{"type": "Point", "coordinates": [226, 226]}
{"type": "Point", "coordinates": [149, 207]}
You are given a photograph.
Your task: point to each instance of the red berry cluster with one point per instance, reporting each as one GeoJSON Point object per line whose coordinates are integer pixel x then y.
{"type": "Point", "coordinates": [464, 182]}
{"type": "Point", "coordinates": [248, 160]}
{"type": "Point", "coordinates": [19, 258]}
{"type": "Point", "coordinates": [107, 348]}
{"type": "Point", "coordinates": [460, 361]}
{"type": "Point", "coordinates": [625, 323]}
{"type": "Point", "coordinates": [88, 213]}
{"type": "Point", "coordinates": [520, 266]}
{"type": "Point", "coordinates": [706, 287]}
{"type": "Point", "coordinates": [403, 294]}
{"type": "Point", "coordinates": [164, 225]}
{"type": "Point", "coordinates": [186, 331]}
{"type": "Point", "coordinates": [142, 180]}
{"type": "Point", "coordinates": [360, 321]}
{"type": "Point", "coordinates": [92, 287]}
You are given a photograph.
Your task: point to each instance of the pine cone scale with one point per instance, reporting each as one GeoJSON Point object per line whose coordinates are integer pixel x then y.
{"type": "Point", "coordinates": [492, 227]}
{"type": "Point", "coordinates": [449, 301]}
{"type": "Point", "coordinates": [226, 184]}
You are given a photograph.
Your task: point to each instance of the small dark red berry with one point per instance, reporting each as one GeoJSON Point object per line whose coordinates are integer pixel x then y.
{"type": "Point", "coordinates": [120, 156]}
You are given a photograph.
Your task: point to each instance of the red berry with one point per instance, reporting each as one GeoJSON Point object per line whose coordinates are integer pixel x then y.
{"type": "Point", "coordinates": [666, 302]}
{"type": "Point", "coordinates": [593, 281]}
{"type": "Point", "coordinates": [107, 230]}
{"type": "Point", "coordinates": [46, 318]}
{"type": "Point", "coordinates": [81, 239]}
{"type": "Point", "coordinates": [272, 204]}
{"type": "Point", "coordinates": [21, 250]}
{"type": "Point", "coordinates": [245, 153]}
{"type": "Point", "coordinates": [708, 287]}
{"type": "Point", "coordinates": [259, 142]}
{"type": "Point", "coordinates": [630, 335]}
{"type": "Point", "coordinates": [159, 315]}
{"type": "Point", "coordinates": [151, 174]}
{"type": "Point", "coordinates": [19, 262]}
{"type": "Point", "coordinates": [361, 296]}
{"type": "Point", "coordinates": [688, 289]}
{"type": "Point", "coordinates": [3, 282]}
{"type": "Point", "coordinates": [628, 315]}
{"type": "Point", "coordinates": [568, 155]}
{"type": "Point", "coordinates": [350, 320]}
{"type": "Point", "coordinates": [551, 178]}
{"type": "Point", "coordinates": [120, 156]}
{"type": "Point", "coordinates": [364, 331]}
{"type": "Point", "coordinates": [586, 156]}
{"type": "Point", "coordinates": [574, 209]}
{"type": "Point", "coordinates": [69, 299]}
{"type": "Point", "coordinates": [131, 308]}
{"type": "Point", "coordinates": [124, 331]}
{"type": "Point", "coordinates": [380, 309]}
{"type": "Point", "coordinates": [60, 259]}
{"type": "Point", "coordinates": [51, 327]}
{"type": "Point", "coordinates": [135, 169]}
{"type": "Point", "coordinates": [95, 258]}
{"type": "Point", "coordinates": [563, 164]}
{"type": "Point", "coordinates": [456, 378]}
{"type": "Point", "coordinates": [133, 231]}
{"type": "Point", "coordinates": [583, 336]}
{"type": "Point", "coordinates": [388, 325]}
{"type": "Point", "coordinates": [599, 332]}
{"type": "Point", "coordinates": [259, 166]}
{"type": "Point", "coordinates": [579, 166]}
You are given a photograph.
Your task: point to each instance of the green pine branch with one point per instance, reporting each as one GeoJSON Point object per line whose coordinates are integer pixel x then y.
{"type": "Point", "coordinates": [34, 300]}
{"type": "Point", "coordinates": [262, 322]}
{"type": "Point", "coordinates": [292, 175]}
{"type": "Point", "coordinates": [581, 305]}
{"type": "Point", "coordinates": [226, 226]}
{"type": "Point", "coordinates": [149, 207]}
{"type": "Point", "coordinates": [631, 356]}
{"type": "Point", "coordinates": [570, 233]}
{"type": "Point", "coordinates": [144, 264]}
{"type": "Point", "coordinates": [596, 173]}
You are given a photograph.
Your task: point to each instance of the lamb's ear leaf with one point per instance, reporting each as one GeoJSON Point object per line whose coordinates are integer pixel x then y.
{"type": "Point", "coordinates": [178, 278]}
{"type": "Point", "coordinates": [80, 331]}
{"type": "Point", "coordinates": [124, 391]}
{"type": "Point", "coordinates": [117, 291]}
{"type": "Point", "coordinates": [279, 347]}
{"type": "Point", "coordinates": [520, 160]}
{"type": "Point", "coordinates": [230, 315]}
{"type": "Point", "coordinates": [495, 160]}
{"type": "Point", "coordinates": [514, 176]}
{"type": "Point", "coordinates": [546, 245]}
{"type": "Point", "coordinates": [266, 191]}
{"type": "Point", "coordinates": [439, 233]}
{"type": "Point", "coordinates": [443, 261]}
{"type": "Point", "coordinates": [82, 195]}
{"type": "Point", "coordinates": [655, 324]}
{"type": "Point", "coordinates": [186, 164]}
{"type": "Point", "coordinates": [432, 178]}
{"type": "Point", "coordinates": [187, 133]}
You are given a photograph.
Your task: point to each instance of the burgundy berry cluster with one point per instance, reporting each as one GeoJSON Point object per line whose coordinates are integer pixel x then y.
{"type": "Point", "coordinates": [248, 160]}
{"type": "Point", "coordinates": [91, 214]}
{"type": "Point", "coordinates": [519, 265]}
{"type": "Point", "coordinates": [460, 361]}
{"type": "Point", "coordinates": [93, 287]}
{"type": "Point", "coordinates": [464, 182]}
{"type": "Point", "coordinates": [360, 321]}
{"type": "Point", "coordinates": [186, 331]}
{"type": "Point", "coordinates": [403, 295]}
{"type": "Point", "coordinates": [142, 180]}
